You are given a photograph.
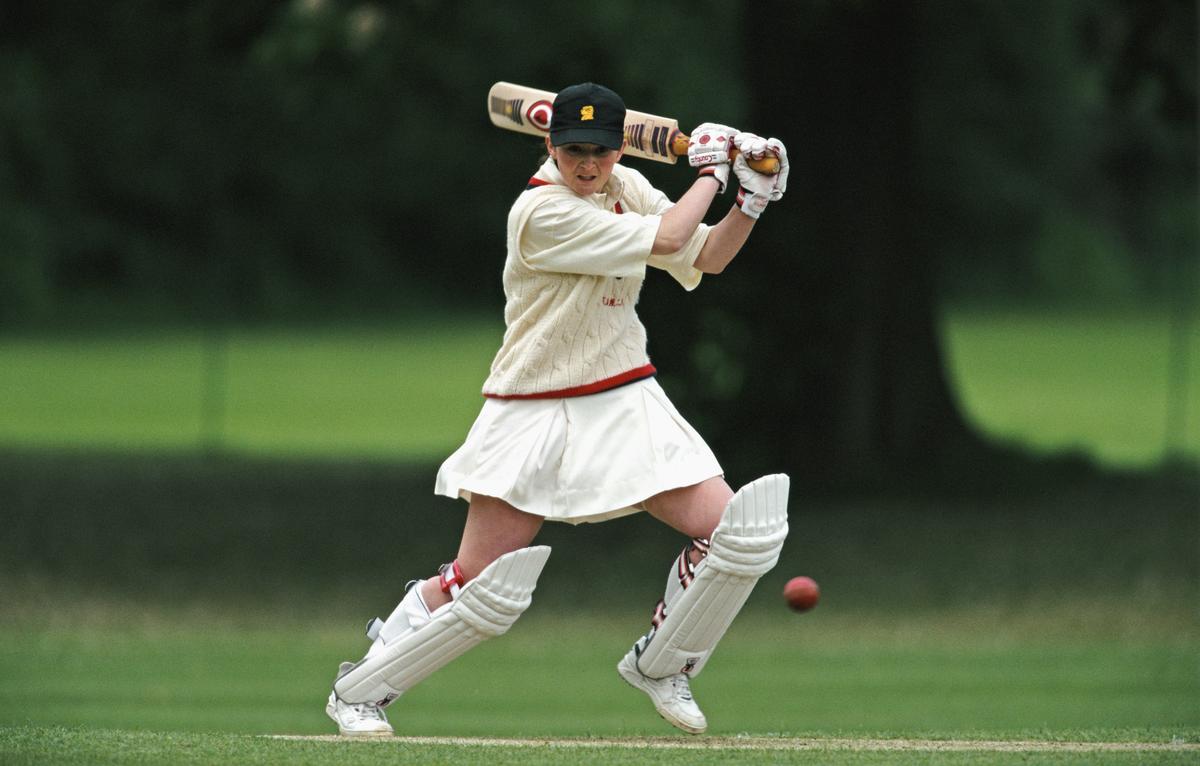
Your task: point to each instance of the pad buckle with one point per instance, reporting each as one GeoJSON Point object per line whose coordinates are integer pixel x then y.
{"type": "Point", "coordinates": [451, 579]}
{"type": "Point", "coordinates": [374, 626]}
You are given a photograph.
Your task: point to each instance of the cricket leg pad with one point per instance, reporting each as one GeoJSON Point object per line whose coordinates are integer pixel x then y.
{"type": "Point", "coordinates": [745, 546]}
{"type": "Point", "coordinates": [487, 606]}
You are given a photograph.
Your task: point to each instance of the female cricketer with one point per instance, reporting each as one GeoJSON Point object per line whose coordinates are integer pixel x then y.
{"type": "Point", "coordinates": [575, 428]}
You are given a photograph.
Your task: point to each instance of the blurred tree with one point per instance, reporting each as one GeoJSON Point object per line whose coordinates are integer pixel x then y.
{"type": "Point", "coordinates": [260, 159]}
{"type": "Point", "coordinates": [1146, 53]}
{"type": "Point", "coordinates": [934, 145]}
{"type": "Point", "coordinates": [256, 159]}
{"type": "Point", "coordinates": [1057, 136]}
{"type": "Point", "coordinates": [823, 355]}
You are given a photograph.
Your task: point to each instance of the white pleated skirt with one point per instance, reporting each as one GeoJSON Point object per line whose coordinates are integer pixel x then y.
{"type": "Point", "coordinates": [579, 459]}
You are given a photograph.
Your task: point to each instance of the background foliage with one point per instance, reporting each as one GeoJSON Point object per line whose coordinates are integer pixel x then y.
{"type": "Point", "coordinates": [255, 157]}
{"type": "Point", "coordinates": [249, 281]}
{"type": "Point", "coordinates": [262, 161]}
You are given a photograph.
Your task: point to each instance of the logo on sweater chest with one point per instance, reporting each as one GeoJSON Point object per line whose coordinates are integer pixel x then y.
{"type": "Point", "coordinates": [618, 292]}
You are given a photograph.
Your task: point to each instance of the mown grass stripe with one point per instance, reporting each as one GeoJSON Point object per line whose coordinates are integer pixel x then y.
{"type": "Point", "coordinates": [773, 743]}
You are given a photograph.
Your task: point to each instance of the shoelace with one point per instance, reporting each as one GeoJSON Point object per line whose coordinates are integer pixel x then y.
{"type": "Point", "coordinates": [368, 711]}
{"type": "Point", "coordinates": [682, 690]}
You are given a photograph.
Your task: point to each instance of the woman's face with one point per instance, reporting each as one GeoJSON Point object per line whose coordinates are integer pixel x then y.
{"type": "Point", "coordinates": [585, 167]}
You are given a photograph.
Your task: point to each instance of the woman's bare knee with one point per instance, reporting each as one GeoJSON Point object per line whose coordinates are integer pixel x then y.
{"type": "Point", "coordinates": [493, 528]}
{"type": "Point", "coordinates": [693, 510]}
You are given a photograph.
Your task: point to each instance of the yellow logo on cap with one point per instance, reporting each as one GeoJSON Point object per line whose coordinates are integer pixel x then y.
{"type": "Point", "coordinates": [587, 113]}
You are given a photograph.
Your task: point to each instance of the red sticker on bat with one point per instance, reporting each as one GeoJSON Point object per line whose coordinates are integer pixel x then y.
{"type": "Point", "coordinates": [539, 114]}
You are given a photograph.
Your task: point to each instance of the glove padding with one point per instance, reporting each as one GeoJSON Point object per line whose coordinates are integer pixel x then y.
{"type": "Point", "coordinates": [708, 149]}
{"type": "Point", "coordinates": [758, 188]}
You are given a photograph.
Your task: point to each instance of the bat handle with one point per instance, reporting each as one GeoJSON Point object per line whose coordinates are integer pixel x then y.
{"type": "Point", "coordinates": [767, 165]}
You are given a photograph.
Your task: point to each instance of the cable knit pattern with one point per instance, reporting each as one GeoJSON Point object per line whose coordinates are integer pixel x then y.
{"type": "Point", "coordinates": [572, 278]}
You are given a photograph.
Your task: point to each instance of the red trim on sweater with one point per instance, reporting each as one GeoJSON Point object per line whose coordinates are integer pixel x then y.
{"type": "Point", "coordinates": [616, 381]}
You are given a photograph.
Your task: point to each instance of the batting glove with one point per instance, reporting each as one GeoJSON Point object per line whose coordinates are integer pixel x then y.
{"type": "Point", "coordinates": [757, 189]}
{"type": "Point", "coordinates": [708, 149]}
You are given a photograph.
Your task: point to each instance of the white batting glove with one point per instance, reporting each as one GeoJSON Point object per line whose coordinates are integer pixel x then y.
{"type": "Point", "coordinates": [758, 188]}
{"type": "Point", "coordinates": [708, 149]}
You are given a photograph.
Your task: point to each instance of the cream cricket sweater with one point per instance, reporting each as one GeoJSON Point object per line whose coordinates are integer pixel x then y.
{"type": "Point", "coordinates": [574, 270]}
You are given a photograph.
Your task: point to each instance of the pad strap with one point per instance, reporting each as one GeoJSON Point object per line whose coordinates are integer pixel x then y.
{"type": "Point", "coordinates": [682, 576]}
{"type": "Point", "coordinates": [686, 569]}
{"type": "Point", "coordinates": [451, 579]}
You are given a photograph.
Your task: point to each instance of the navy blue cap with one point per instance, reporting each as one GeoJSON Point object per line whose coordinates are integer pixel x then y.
{"type": "Point", "coordinates": [588, 114]}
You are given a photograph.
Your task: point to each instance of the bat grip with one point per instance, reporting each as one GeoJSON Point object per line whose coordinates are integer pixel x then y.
{"type": "Point", "coordinates": [768, 165]}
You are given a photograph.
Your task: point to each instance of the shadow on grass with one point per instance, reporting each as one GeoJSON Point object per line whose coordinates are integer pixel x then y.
{"type": "Point", "coordinates": [165, 528]}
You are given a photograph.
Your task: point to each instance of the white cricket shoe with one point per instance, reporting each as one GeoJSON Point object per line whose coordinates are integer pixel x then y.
{"type": "Point", "coordinates": [672, 696]}
{"type": "Point", "coordinates": [357, 719]}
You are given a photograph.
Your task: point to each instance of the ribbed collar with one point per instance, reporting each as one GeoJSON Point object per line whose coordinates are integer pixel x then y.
{"type": "Point", "coordinates": [612, 190]}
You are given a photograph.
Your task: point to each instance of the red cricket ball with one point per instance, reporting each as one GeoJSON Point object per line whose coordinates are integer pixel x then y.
{"type": "Point", "coordinates": [802, 593]}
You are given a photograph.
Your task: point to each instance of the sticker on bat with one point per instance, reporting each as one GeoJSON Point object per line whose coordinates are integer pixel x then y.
{"type": "Point", "coordinates": [658, 141]}
{"type": "Point", "coordinates": [509, 107]}
{"type": "Point", "coordinates": [539, 114]}
{"type": "Point", "coordinates": [633, 134]}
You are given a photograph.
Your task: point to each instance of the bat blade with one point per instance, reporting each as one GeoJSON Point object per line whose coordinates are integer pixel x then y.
{"type": "Point", "coordinates": [516, 107]}
{"type": "Point", "coordinates": [528, 110]}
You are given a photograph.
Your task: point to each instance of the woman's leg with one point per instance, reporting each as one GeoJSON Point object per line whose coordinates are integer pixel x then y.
{"type": "Point", "coordinates": [493, 528]}
{"type": "Point", "coordinates": [408, 646]}
{"type": "Point", "coordinates": [695, 510]}
{"type": "Point", "coordinates": [699, 603]}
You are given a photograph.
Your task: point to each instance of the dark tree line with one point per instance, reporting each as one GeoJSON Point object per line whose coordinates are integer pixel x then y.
{"type": "Point", "coordinates": [246, 161]}
{"type": "Point", "coordinates": [934, 140]}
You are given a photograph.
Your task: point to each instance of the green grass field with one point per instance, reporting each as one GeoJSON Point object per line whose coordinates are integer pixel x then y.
{"type": "Point", "coordinates": [92, 684]}
{"type": "Point", "coordinates": [1095, 384]}
{"type": "Point", "coordinates": [1100, 385]}
{"type": "Point", "coordinates": [175, 611]}
{"type": "Point", "coordinates": [393, 392]}
{"type": "Point", "coordinates": [161, 602]}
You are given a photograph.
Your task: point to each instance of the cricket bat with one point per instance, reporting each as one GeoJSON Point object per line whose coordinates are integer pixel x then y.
{"type": "Point", "coordinates": [528, 110]}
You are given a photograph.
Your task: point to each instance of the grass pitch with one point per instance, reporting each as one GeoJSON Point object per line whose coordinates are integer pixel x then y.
{"type": "Point", "coordinates": [119, 683]}
{"type": "Point", "coordinates": [192, 607]}
{"type": "Point", "coordinates": [74, 746]}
